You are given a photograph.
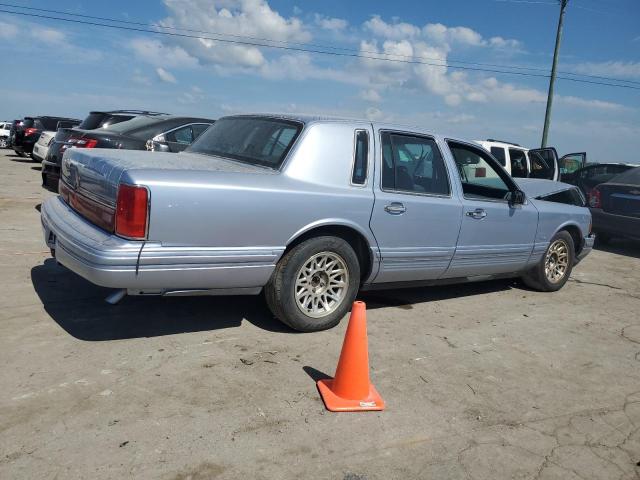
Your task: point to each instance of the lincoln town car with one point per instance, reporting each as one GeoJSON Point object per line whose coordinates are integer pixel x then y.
{"type": "Point", "coordinates": [308, 211]}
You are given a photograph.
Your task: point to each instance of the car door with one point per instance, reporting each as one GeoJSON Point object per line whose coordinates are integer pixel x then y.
{"type": "Point", "coordinates": [571, 163]}
{"type": "Point", "coordinates": [546, 162]}
{"type": "Point", "coordinates": [496, 235]}
{"type": "Point", "coordinates": [416, 217]}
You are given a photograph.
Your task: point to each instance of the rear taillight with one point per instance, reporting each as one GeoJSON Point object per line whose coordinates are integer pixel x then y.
{"type": "Point", "coordinates": [83, 142]}
{"type": "Point", "coordinates": [595, 198]}
{"type": "Point", "coordinates": [29, 131]}
{"type": "Point", "coordinates": [132, 208]}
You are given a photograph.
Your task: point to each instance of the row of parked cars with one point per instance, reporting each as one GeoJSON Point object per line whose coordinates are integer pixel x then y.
{"type": "Point", "coordinates": [46, 138]}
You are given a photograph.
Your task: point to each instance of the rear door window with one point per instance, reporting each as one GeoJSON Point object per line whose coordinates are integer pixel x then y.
{"type": "Point", "coordinates": [518, 161]}
{"type": "Point", "coordinates": [413, 164]}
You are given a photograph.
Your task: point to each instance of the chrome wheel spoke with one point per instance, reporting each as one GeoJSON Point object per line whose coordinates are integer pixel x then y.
{"type": "Point", "coordinates": [556, 261]}
{"type": "Point", "coordinates": [321, 284]}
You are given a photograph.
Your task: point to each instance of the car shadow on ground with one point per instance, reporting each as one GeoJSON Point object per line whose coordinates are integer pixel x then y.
{"type": "Point", "coordinates": [621, 246]}
{"type": "Point", "coordinates": [18, 159]}
{"type": "Point", "coordinates": [38, 169]}
{"type": "Point", "coordinates": [79, 308]}
{"type": "Point", "coordinates": [405, 298]}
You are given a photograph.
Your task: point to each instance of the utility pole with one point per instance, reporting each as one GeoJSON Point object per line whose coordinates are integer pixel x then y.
{"type": "Point", "coordinates": [552, 80]}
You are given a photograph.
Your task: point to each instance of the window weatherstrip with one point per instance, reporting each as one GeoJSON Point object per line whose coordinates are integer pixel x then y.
{"type": "Point", "coordinates": [355, 158]}
{"type": "Point", "coordinates": [405, 192]}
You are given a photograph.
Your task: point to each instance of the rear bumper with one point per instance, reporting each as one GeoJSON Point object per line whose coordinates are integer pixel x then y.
{"type": "Point", "coordinates": [586, 247]}
{"type": "Point", "coordinates": [616, 225]}
{"type": "Point", "coordinates": [149, 267]}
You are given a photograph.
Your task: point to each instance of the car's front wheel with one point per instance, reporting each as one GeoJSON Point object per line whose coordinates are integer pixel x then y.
{"type": "Point", "coordinates": [3, 142]}
{"type": "Point", "coordinates": [314, 284]}
{"type": "Point", "coordinates": [554, 269]}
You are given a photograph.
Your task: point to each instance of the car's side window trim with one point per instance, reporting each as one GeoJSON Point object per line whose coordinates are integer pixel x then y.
{"type": "Point", "coordinates": [502, 173]}
{"type": "Point", "coordinates": [405, 192]}
{"type": "Point", "coordinates": [355, 153]}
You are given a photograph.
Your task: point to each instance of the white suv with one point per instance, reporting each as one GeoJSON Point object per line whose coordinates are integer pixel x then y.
{"type": "Point", "coordinates": [5, 130]}
{"type": "Point", "coordinates": [522, 162]}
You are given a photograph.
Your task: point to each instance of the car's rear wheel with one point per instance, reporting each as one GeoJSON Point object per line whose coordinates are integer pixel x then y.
{"type": "Point", "coordinates": [3, 142]}
{"type": "Point", "coordinates": [554, 269]}
{"type": "Point", "coordinates": [314, 284]}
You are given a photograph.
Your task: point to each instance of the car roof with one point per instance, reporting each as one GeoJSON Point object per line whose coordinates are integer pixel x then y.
{"type": "Point", "coordinates": [309, 119]}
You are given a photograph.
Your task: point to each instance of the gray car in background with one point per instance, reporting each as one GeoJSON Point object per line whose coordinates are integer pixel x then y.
{"type": "Point", "coordinates": [309, 211]}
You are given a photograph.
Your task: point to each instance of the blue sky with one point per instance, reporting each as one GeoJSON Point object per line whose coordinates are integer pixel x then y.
{"type": "Point", "coordinates": [59, 68]}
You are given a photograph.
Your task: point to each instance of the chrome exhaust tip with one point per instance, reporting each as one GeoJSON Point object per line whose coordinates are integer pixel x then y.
{"type": "Point", "coordinates": [116, 296]}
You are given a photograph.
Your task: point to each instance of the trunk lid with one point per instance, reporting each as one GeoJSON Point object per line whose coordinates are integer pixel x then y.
{"type": "Point", "coordinates": [96, 173]}
{"type": "Point", "coordinates": [620, 199]}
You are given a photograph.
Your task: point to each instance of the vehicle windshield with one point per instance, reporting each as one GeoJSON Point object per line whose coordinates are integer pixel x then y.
{"type": "Point", "coordinates": [255, 140]}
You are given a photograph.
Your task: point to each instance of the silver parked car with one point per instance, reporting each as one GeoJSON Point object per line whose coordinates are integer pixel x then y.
{"type": "Point", "coordinates": [309, 211]}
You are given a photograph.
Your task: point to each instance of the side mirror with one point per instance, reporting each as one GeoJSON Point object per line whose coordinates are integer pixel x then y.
{"type": "Point", "coordinates": [516, 197]}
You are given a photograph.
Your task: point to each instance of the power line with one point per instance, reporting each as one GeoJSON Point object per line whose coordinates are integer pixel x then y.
{"type": "Point", "coordinates": [328, 47]}
{"type": "Point", "coordinates": [375, 56]}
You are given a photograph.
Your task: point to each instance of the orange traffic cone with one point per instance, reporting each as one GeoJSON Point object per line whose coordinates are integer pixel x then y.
{"type": "Point", "coordinates": [350, 390]}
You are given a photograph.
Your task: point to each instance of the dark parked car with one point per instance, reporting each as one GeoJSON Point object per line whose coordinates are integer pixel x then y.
{"type": "Point", "coordinates": [615, 206]}
{"type": "Point", "coordinates": [26, 134]}
{"type": "Point", "coordinates": [95, 120]}
{"type": "Point", "coordinates": [594, 174]}
{"type": "Point", "coordinates": [158, 132]}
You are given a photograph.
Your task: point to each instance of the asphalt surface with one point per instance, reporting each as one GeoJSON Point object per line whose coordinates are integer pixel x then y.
{"type": "Point", "coordinates": [482, 381]}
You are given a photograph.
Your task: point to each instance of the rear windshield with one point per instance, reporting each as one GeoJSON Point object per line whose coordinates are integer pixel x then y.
{"type": "Point", "coordinates": [102, 120]}
{"type": "Point", "coordinates": [255, 140]}
{"type": "Point", "coordinates": [631, 177]}
{"type": "Point", "coordinates": [138, 127]}
{"type": "Point", "coordinates": [28, 123]}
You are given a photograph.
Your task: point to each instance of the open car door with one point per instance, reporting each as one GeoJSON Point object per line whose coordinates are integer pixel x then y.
{"type": "Point", "coordinates": [544, 163]}
{"type": "Point", "coordinates": [571, 163]}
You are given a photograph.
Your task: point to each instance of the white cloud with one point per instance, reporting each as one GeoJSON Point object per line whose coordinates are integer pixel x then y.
{"type": "Point", "coordinates": [611, 69]}
{"type": "Point", "coordinates": [8, 30]}
{"type": "Point", "coordinates": [250, 18]}
{"type": "Point", "coordinates": [590, 103]}
{"type": "Point", "coordinates": [165, 76]}
{"type": "Point", "coordinates": [327, 23]}
{"type": "Point", "coordinates": [48, 35]}
{"type": "Point", "coordinates": [396, 31]}
{"type": "Point", "coordinates": [370, 95]}
{"type": "Point", "coordinates": [440, 33]}
{"type": "Point", "coordinates": [504, 43]}
{"type": "Point", "coordinates": [156, 53]}
{"type": "Point", "coordinates": [374, 114]}
{"type": "Point", "coordinates": [139, 78]}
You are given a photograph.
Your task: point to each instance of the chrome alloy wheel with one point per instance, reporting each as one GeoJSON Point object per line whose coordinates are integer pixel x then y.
{"type": "Point", "coordinates": [556, 262]}
{"type": "Point", "coordinates": [321, 284]}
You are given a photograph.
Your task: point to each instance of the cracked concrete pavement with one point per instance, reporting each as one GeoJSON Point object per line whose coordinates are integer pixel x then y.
{"type": "Point", "coordinates": [483, 381]}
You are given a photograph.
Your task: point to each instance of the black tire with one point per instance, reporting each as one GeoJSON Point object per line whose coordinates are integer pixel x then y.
{"type": "Point", "coordinates": [537, 279]}
{"type": "Point", "coordinates": [280, 291]}
{"type": "Point", "coordinates": [4, 143]}
{"type": "Point", "coordinates": [20, 154]}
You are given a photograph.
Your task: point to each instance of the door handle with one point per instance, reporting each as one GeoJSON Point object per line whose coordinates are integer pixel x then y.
{"type": "Point", "coordinates": [478, 214]}
{"type": "Point", "coordinates": [395, 208]}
